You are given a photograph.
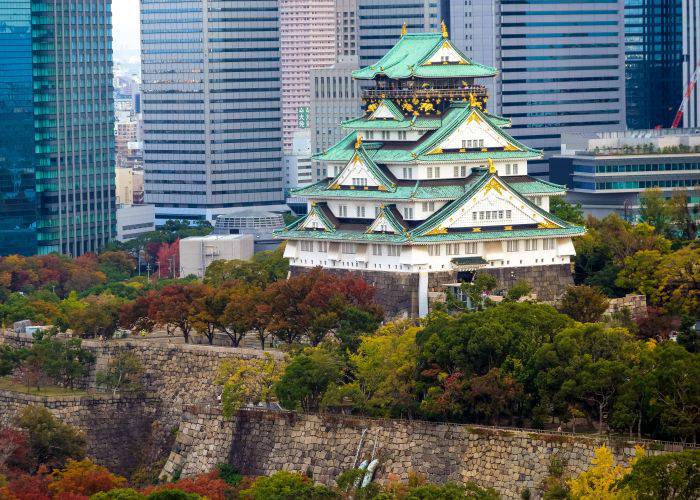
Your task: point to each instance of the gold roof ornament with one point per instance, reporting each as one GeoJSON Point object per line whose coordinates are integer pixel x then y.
{"type": "Point", "coordinates": [473, 101]}
{"type": "Point", "coordinates": [358, 142]}
{"type": "Point", "coordinates": [404, 29]}
{"type": "Point", "coordinates": [444, 30]}
{"type": "Point", "coordinates": [492, 167]}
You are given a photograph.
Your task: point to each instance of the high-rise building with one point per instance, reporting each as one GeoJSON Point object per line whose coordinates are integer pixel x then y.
{"type": "Point", "coordinates": [654, 62]}
{"type": "Point", "coordinates": [211, 106]}
{"type": "Point", "coordinates": [307, 41]}
{"type": "Point", "coordinates": [561, 64]}
{"type": "Point", "coordinates": [345, 28]}
{"type": "Point", "coordinates": [380, 22]}
{"type": "Point", "coordinates": [691, 59]}
{"type": "Point", "coordinates": [57, 138]}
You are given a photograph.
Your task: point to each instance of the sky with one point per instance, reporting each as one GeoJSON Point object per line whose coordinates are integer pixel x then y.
{"type": "Point", "coordinates": [125, 30]}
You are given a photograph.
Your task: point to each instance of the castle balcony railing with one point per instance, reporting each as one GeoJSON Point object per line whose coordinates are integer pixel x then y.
{"type": "Point", "coordinates": [443, 92]}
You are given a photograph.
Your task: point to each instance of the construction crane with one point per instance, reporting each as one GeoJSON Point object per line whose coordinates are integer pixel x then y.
{"type": "Point", "coordinates": [686, 97]}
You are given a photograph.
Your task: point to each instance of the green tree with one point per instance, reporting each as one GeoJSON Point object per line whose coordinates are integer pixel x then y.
{"type": "Point", "coordinates": [584, 303]}
{"type": "Point", "coordinates": [285, 485]}
{"type": "Point", "coordinates": [98, 317]}
{"type": "Point", "coordinates": [11, 358]}
{"type": "Point", "coordinates": [654, 210]}
{"type": "Point", "coordinates": [248, 381]}
{"type": "Point", "coordinates": [263, 269]}
{"type": "Point", "coordinates": [683, 216]}
{"type": "Point", "coordinates": [386, 368]}
{"type": "Point", "coordinates": [672, 476]}
{"type": "Point", "coordinates": [639, 272]}
{"type": "Point", "coordinates": [520, 289]}
{"type": "Point", "coordinates": [63, 360]}
{"type": "Point", "coordinates": [50, 442]}
{"type": "Point", "coordinates": [123, 373]}
{"type": "Point", "coordinates": [307, 376]}
{"type": "Point", "coordinates": [569, 212]}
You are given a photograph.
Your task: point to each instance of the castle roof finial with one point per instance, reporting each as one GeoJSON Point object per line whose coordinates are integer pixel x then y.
{"type": "Point", "coordinates": [444, 29]}
{"type": "Point", "coordinates": [404, 29]}
{"type": "Point", "coordinates": [358, 142]}
{"type": "Point", "coordinates": [492, 167]}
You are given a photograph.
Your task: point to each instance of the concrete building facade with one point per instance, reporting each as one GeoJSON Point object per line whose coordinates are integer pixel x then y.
{"type": "Point", "coordinates": [211, 105]}
{"type": "Point", "coordinates": [561, 65]}
{"type": "Point", "coordinates": [307, 41]}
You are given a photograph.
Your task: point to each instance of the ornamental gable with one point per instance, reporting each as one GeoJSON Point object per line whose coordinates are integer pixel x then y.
{"type": "Point", "coordinates": [445, 54]}
{"type": "Point", "coordinates": [362, 173]}
{"type": "Point", "coordinates": [473, 132]}
{"type": "Point", "coordinates": [388, 221]}
{"type": "Point", "coordinates": [313, 222]}
{"type": "Point", "coordinates": [386, 110]}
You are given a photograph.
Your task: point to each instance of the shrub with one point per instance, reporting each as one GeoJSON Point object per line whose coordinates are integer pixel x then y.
{"type": "Point", "coordinates": [83, 478]}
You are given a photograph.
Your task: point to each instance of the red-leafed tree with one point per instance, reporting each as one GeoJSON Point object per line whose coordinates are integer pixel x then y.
{"type": "Point", "coordinates": [172, 306]}
{"type": "Point", "coordinates": [169, 260]}
{"type": "Point", "coordinates": [82, 477]}
{"type": "Point", "coordinates": [209, 486]}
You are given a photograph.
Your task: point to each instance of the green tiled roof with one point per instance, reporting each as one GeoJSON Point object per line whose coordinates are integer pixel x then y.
{"type": "Point", "coordinates": [458, 112]}
{"type": "Point", "coordinates": [377, 172]}
{"type": "Point", "coordinates": [388, 214]}
{"type": "Point", "coordinates": [406, 59]}
{"type": "Point", "coordinates": [418, 123]}
{"type": "Point", "coordinates": [419, 191]}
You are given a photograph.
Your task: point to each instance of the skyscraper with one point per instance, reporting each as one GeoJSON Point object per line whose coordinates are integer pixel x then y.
{"type": "Point", "coordinates": [691, 58]}
{"type": "Point", "coordinates": [57, 138]}
{"type": "Point", "coordinates": [211, 104]}
{"type": "Point", "coordinates": [654, 62]}
{"type": "Point", "coordinates": [307, 41]}
{"type": "Point", "coordinates": [561, 65]}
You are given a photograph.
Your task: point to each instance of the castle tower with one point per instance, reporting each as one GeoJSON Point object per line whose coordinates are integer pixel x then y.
{"type": "Point", "coordinates": [428, 188]}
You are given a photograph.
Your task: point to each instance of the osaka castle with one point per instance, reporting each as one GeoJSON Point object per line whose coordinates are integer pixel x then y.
{"type": "Point", "coordinates": [428, 188]}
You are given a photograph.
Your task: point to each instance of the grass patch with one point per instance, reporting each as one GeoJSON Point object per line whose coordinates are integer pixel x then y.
{"type": "Point", "coordinates": [6, 384]}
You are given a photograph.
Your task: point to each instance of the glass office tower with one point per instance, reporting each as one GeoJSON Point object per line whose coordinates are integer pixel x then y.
{"type": "Point", "coordinates": [57, 138]}
{"type": "Point", "coordinates": [653, 62]}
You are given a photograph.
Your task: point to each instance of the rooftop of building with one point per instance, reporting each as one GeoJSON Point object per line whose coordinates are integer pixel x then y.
{"type": "Point", "coordinates": [632, 142]}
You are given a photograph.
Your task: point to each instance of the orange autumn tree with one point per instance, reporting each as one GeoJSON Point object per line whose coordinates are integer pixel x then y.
{"type": "Point", "coordinates": [83, 478]}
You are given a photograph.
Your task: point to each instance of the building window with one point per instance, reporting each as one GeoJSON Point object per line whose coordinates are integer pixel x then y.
{"type": "Point", "coordinates": [393, 250]}
{"type": "Point", "coordinates": [508, 214]}
{"type": "Point", "coordinates": [531, 245]}
{"type": "Point", "coordinates": [434, 250]}
{"type": "Point", "coordinates": [402, 135]}
{"type": "Point", "coordinates": [386, 135]}
{"type": "Point", "coordinates": [481, 143]}
{"type": "Point", "coordinates": [428, 206]}
{"type": "Point", "coordinates": [515, 169]}
{"type": "Point", "coordinates": [430, 172]}
{"type": "Point", "coordinates": [512, 245]}
{"type": "Point", "coordinates": [437, 172]}
{"type": "Point", "coordinates": [507, 168]}
{"type": "Point", "coordinates": [376, 249]}
{"type": "Point", "coordinates": [538, 201]}
{"type": "Point", "coordinates": [348, 248]}
{"type": "Point", "coordinates": [452, 249]}
{"type": "Point", "coordinates": [481, 215]}
{"type": "Point", "coordinates": [307, 246]}
{"type": "Point", "coordinates": [360, 212]}
{"type": "Point", "coordinates": [407, 173]}
{"type": "Point", "coordinates": [463, 170]}
{"type": "Point", "coordinates": [377, 210]}
{"type": "Point", "coordinates": [548, 244]}
{"type": "Point", "coordinates": [470, 248]}
{"type": "Point", "coordinates": [408, 213]}
{"type": "Point", "coordinates": [359, 181]}
{"type": "Point", "coordinates": [322, 246]}
{"type": "Point", "coordinates": [342, 211]}
{"type": "Point", "coordinates": [369, 134]}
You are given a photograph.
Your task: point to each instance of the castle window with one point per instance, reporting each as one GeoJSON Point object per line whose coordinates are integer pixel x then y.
{"type": "Point", "coordinates": [386, 135]}
{"type": "Point", "coordinates": [307, 246]}
{"type": "Point", "coordinates": [481, 215]}
{"type": "Point", "coordinates": [531, 245]}
{"type": "Point", "coordinates": [507, 168]}
{"type": "Point", "coordinates": [376, 249]}
{"type": "Point", "coordinates": [342, 211]}
{"type": "Point", "coordinates": [469, 143]}
{"type": "Point", "coordinates": [548, 244]}
{"type": "Point", "coordinates": [434, 250]}
{"type": "Point", "coordinates": [470, 248]}
{"type": "Point", "coordinates": [428, 206]}
{"type": "Point", "coordinates": [512, 246]}
{"type": "Point", "coordinates": [360, 212]}
{"type": "Point", "coordinates": [500, 214]}
{"type": "Point", "coordinates": [515, 169]}
{"type": "Point", "coordinates": [348, 248]}
{"type": "Point", "coordinates": [452, 249]}
{"type": "Point", "coordinates": [322, 246]}
{"type": "Point", "coordinates": [508, 214]}
{"type": "Point", "coordinates": [456, 170]}
{"type": "Point", "coordinates": [481, 143]}
{"type": "Point", "coordinates": [359, 181]}
{"type": "Point", "coordinates": [407, 173]}
{"type": "Point", "coordinates": [463, 170]}
{"type": "Point", "coordinates": [538, 201]}
{"type": "Point", "coordinates": [464, 144]}
{"type": "Point", "coordinates": [369, 134]}
{"type": "Point", "coordinates": [408, 213]}
{"type": "Point", "coordinates": [402, 135]}
{"type": "Point", "coordinates": [336, 170]}
{"type": "Point", "coordinates": [473, 215]}
{"type": "Point", "coordinates": [377, 210]}
{"type": "Point", "coordinates": [430, 172]}
{"type": "Point", "coordinates": [437, 172]}
{"type": "Point", "coordinates": [393, 251]}
{"type": "Point", "coordinates": [488, 215]}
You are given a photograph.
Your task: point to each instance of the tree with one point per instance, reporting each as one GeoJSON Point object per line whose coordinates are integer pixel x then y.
{"type": "Point", "coordinates": [482, 284]}
{"type": "Point", "coordinates": [116, 266]}
{"type": "Point", "coordinates": [13, 450]}
{"type": "Point", "coordinates": [169, 260]}
{"type": "Point", "coordinates": [670, 476]}
{"type": "Point", "coordinates": [285, 485]}
{"type": "Point", "coordinates": [119, 494]}
{"type": "Point", "coordinates": [50, 442]}
{"type": "Point", "coordinates": [99, 316]}
{"type": "Point", "coordinates": [682, 215]}
{"type": "Point", "coordinates": [207, 486]}
{"type": "Point", "coordinates": [654, 210]}
{"type": "Point", "coordinates": [520, 289]}
{"type": "Point", "coordinates": [123, 373]}
{"type": "Point", "coordinates": [386, 367]}
{"type": "Point", "coordinates": [307, 377]}
{"type": "Point", "coordinates": [248, 381]}
{"type": "Point", "coordinates": [679, 281]}
{"type": "Point", "coordinates": [172, 306]}
{"type": "Point", "coordinates": [11, 358]}
{"type": "Point", "coordinates": [238, 315]}
{"type": "Point", "coordinates": [63, 360]}
{"type": "Point", "coordinates": [263, 269]}
{"type": "Point", "coordinates": [601, 481]}
{"type": "Point", "coordinates": [584, 303]}
{"type": "Point", "coordinates": [566, 211]}
{"type": "Point", "coordinates": [82, 477]}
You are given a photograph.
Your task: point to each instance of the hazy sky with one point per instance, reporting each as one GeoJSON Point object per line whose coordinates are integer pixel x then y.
{"type": "Point", "coordinates": [125, 20]}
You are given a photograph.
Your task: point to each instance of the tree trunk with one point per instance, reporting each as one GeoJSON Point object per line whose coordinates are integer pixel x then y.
{"type": "Point", "coordinates": [600, 418]}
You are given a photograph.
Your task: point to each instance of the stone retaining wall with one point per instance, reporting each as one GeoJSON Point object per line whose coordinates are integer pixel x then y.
{"type": "Point", "coordinates": [263, 442]}
{"type": "Point", "coordinates": [635, 304]}
{"type": "Point", "coordinates": [115, 428]}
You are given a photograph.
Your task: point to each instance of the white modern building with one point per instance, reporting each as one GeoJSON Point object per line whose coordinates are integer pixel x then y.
{"type": "Point", "coordinates": [428, 187]}
{"type": "Point", "coordinates": [197, 252]}
{"type": "Point", "coordinates": [691, 58]}
{"type": "Point", "coordinates": [135, 220]}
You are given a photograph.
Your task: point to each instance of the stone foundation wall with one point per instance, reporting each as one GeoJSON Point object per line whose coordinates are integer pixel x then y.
{"type": "Point", "coordinates": [397, 293]}
{"type": "Point", "coordinates": [263, 442]}
{"type": "Point", "coordinates": [115, 428]}
{"type": "Point", "coordinates": [635, 304]}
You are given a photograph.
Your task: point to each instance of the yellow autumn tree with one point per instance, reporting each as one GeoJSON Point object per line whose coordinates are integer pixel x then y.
{"type": "Point", "coordinates": [600, 482]}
